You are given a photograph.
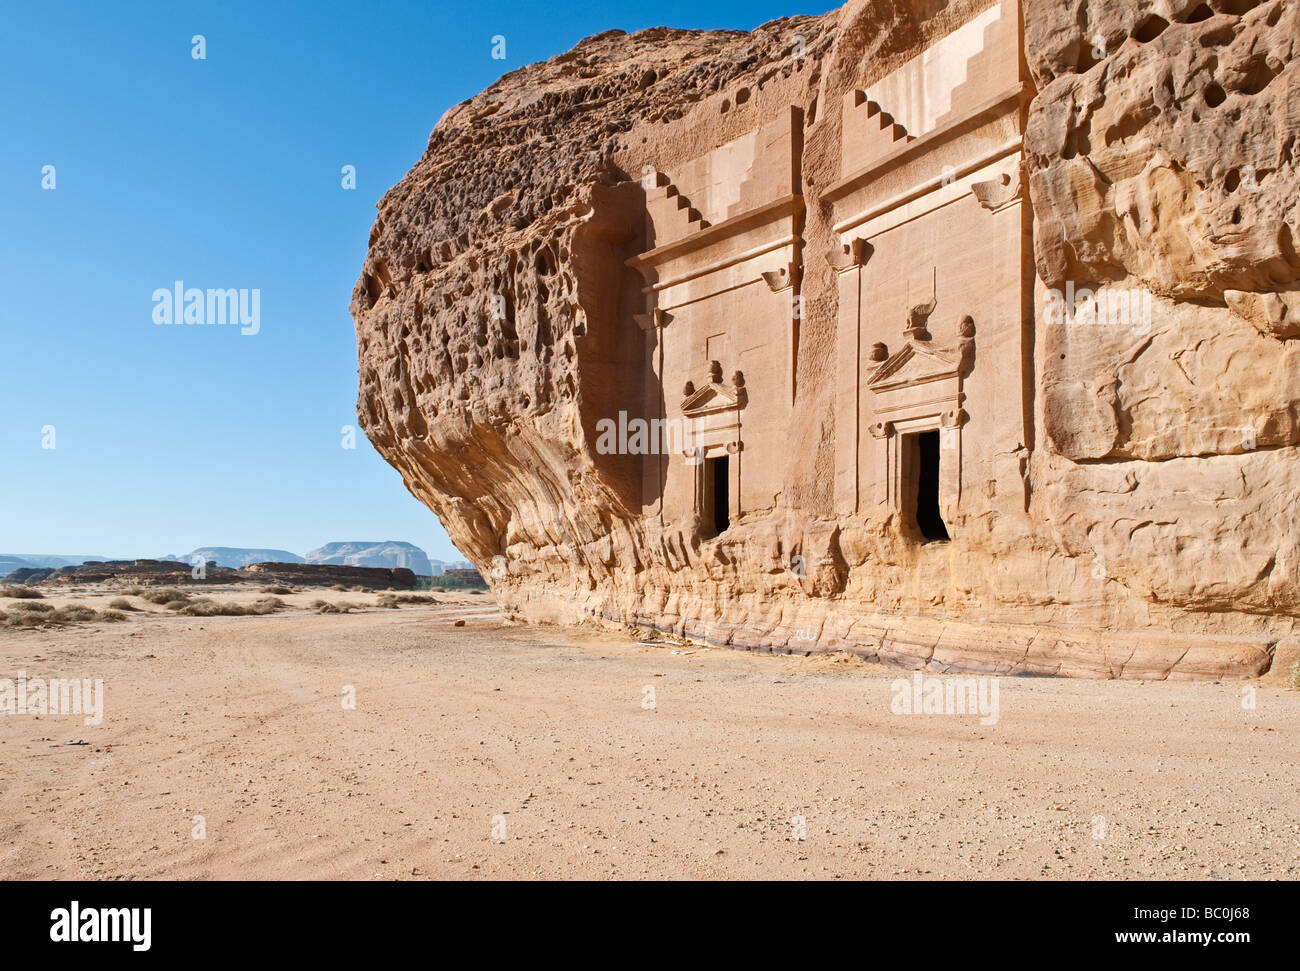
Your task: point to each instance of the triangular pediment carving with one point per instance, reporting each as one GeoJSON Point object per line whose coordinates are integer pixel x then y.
{"type": "Point", "coordinates": [711, 398]}
{"type": "Point", "coordinates": [913, 365]}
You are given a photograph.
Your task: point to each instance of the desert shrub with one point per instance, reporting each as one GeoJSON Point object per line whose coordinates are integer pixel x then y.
{"type": "Point", "coordinates": [21, 593]}
{"type": "Point", "coordinates": [33, 614]}
{"type": "Point", "coordinates": [338, 608]}
{"type": "Point", "coordinates": [42, 614]}
{"type": "Point", "coordinates": [393, 599]}
{"type": "Point", "coordinates": [207, 607]}
{"type": "Point", "coordinates": [201, 607]}
{"type": "Point", "coordinates": [276, 589]}
{"type": "Point", "coordinates": [360, 589]}
{"type": "Point", "coordinates": [318, 604]}
{"type": "Point", "coordinates": [133, 591]}
{"type": "Point", "coordinates": [121, 603]}
{"type": "Point", "coordinates": [73, 614]}
{"type": "Point", "coordinates": [31, 608]}
{"type": "Point", "coordinates": [439, 589]}
{"type": "Point", "coordinates": [176, 604]}
{"type": "Point", "coordinates": [1295, 675]}
{"type": "Point", "coordinates": [339, 586]}
{"type": "Point", "coordinates": [166, 596]}
{"type": "Point", "coordinates": [24, 618]}
{"type": "Point", "coordinates": [37, 615]}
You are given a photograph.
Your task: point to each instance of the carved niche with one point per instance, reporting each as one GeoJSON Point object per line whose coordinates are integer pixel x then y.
{"type": "Point", "coordinates": [916, 389]}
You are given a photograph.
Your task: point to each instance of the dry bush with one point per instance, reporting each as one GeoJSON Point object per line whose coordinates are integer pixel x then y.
{"type": "Point", "coordinates": [206, 607]}
{"type": "Point", "coordinates": [121, 603]}
{"type": "Point", "coordinates": [1295, 675]}
{"type": "Point", "coordinates": [73, 614]}
{"type": "Point", "coordinates": [393, 599]}
{"type": "Point", "coordinates": [202, 607]}
{"type": "Point", "coordinates": [339, 586]}
{"type": "Point", "coordinates": [21, 593]}
{"type": "Point", "coordinates": [277, 589]}
{"type": "Point", "coordinates": [40, 615]}
{"type": "Point", "coordinates": [24, 618]}
{"type": "Point", "coordinates": [31, 608]}
{"type": "Point", "coordinates": [166, 596]}
{"type": "Point", "coordinates": [133, 591]}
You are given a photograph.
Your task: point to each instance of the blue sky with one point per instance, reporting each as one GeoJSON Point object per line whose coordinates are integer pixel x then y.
{"type": "Point", "coordinates": [223, 172]}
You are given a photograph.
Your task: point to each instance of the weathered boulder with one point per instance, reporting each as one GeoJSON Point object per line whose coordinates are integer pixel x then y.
{"type": "Point", "coordinates": [614, 231]}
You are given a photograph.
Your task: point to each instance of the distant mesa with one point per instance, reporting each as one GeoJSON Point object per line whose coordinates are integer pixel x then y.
{"type": "Point", "coordinates": [387, 554]}
{"type": "Point", "coordinates": [236, 557]}
{"type": "Point", "coordinates": [174, 573]}
{"type": "Point", "coordinates": [9, 562]}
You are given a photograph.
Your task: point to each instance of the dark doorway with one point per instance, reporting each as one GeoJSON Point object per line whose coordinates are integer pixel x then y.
{"type": "Point", "coordinates": [717, 493]}
{"type": "Point", "coordinates": [928, 519]}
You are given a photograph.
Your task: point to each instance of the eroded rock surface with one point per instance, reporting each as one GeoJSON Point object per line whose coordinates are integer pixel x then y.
{"type": "Point", "coordinates": [784, 238]}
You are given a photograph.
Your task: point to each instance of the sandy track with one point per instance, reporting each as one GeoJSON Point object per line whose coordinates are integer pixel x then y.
{"type": "Point", "coordinates": [543, 735]}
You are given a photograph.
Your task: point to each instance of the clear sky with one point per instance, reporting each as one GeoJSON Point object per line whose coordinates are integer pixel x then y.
{"type": "Point", "coordinates": [223, 172]}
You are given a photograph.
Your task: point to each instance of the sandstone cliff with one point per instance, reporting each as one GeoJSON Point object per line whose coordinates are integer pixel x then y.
{"type": "Point", "coordinates": [1143, 525]}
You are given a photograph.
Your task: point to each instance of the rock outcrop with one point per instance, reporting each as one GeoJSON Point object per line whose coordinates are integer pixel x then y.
{"type": "Point", "coordinates": [325, 574]}
{"type": "Point", "coordinates": [391, 553]}
{"type": "Point", "coordinates": [1076, 224]}
{"type": "Point", "coordinates": [10, 562]}
{"type": "Point", "coordinates": [234, 557]}
{"type": "Point", "coordinates": [174, 573]}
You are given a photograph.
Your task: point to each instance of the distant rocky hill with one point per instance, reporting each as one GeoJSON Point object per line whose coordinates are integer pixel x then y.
{"type": "Point", "coordinates": [235, 557]}
{"type": "Point", "coordinates": [173, 573]}
{"type": "Point", "coordinates": [10, 563]}
{"type": "Point", "coordinates": [387, 555]}
{"type": "Point", "coordinates": [391, 553]}
{"type": "Point", "coordinates": [39, 561]}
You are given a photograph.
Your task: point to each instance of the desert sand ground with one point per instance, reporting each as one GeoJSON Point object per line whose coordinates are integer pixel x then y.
{"type": "Point", "coordinates": [501, 751]}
